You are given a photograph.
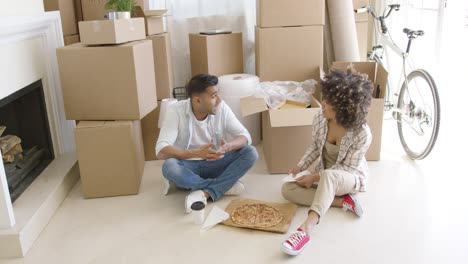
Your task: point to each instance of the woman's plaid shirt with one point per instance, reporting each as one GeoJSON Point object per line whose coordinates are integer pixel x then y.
{"type": "Point", "coordinates": [351, 157]}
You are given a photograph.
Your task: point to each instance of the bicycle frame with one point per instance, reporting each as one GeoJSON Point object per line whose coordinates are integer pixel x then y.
{"type": "Point", "coordinates": [386, 42]}
{"type": "Point", "coordinates": [407, 105]}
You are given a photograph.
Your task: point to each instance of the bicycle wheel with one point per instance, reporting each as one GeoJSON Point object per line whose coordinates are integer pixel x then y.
{"type": "Point", "coordinates": [419, 114]}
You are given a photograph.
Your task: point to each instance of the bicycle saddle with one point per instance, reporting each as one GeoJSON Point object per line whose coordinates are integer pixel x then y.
{"type": "Point", "coordinates": [413, 33]}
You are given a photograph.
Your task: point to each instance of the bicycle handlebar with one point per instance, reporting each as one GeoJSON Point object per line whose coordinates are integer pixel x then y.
{"type": "Point", "coordinates": [395, 7]}
{"type": "Point", "coordinates": [388, 10]}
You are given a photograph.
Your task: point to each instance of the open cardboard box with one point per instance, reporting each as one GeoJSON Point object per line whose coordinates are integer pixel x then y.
{"type": "Point", "coordinates": [288, 104]}
{"type": "Point", "coordinates": [155, 20]}
{"type": "Point", "coordinates": [287, 132]}
{"type": "Point", "coordinates": [378, 75]}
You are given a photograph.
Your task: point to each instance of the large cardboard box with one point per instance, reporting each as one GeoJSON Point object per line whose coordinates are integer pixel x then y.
{"type": "Point", "coordinates": [110, 157]}
{"type": "Point", "coordinates": [287, 133]}
{"type": "Point", "coordinates": [71, 39]}
{"type": "Point", "coordinates": [361, 17]}
{"type": "Point", "coordinates": [361, 30]}
{"type": "Point", "coordinates": [216, 54]}
{"type": "Point", "coordinates": [155, 20]}
{"type": "Point", "coordinates": [78, 11]}
{"type": "Point", "coordinates": [283, 13]}
{"type": "Point", "coordinates": [162, 53]}
{"type": "Point", "coordinates": [378, 75]}
{"type": "Point", "coordinates": [95, 9]}
{"type": "Point", "coordinates": [150, 130]}
{"type": "Point", "coordinates": [67, 14]}
{"type": "Point", "coordinates": [118, 31]}
{"type": "Point", "coordinates": [288, 53]}
{"type": "Point", "coordinates": [113, 82]}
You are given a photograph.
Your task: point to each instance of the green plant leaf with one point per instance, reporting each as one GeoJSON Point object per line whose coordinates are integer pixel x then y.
{"type": "Point", "coordinates": [121, 5]}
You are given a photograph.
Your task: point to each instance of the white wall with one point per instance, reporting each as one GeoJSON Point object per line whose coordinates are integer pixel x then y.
{"type": "Point", "coordinates": [21, 7]}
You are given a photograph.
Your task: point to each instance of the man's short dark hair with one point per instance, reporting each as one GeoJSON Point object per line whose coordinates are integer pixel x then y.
{"type": "Point", "coordinates": [350, 94]}
{"type": "Point", "coordinates": [199, 83]}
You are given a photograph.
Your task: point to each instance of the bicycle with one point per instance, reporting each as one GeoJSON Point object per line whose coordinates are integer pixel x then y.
{"type": "Point", "coordinates": [417, 109]}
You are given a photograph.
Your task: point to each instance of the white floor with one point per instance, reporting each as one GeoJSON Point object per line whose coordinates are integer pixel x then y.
{"type": "Point", "coordinates": [416, 212]}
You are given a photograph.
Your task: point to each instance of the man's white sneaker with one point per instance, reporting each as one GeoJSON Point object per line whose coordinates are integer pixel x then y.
{"type": "Point", "coordinates": [166, 186]}
{"type": "Point", "coordinates": [195, 196]}
{"type": "Point", "coordinates": [236, 189]}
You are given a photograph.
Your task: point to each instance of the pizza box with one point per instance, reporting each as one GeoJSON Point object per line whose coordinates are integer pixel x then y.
{"type": "Point", "coordinates": [287, 210]}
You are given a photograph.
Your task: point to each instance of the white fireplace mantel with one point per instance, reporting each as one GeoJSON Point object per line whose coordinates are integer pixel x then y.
{"type": "Point", "coordinates": [48, 29]}
{"type": "Point", "coordinates": [21, 224]}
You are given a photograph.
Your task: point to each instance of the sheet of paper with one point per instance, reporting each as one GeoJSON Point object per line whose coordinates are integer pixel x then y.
{"type": "Point", "coordinates": [216, 216]}
{"type": "Point", "coordinates": [290, 177]}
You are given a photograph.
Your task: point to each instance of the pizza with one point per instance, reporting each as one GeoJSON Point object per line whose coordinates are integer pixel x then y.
{"type": "Point", "coordinates": [256, 215]}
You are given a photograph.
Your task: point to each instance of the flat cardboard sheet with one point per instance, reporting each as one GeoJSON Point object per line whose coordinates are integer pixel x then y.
{"type": "Point", "coordinates": [288, 210]}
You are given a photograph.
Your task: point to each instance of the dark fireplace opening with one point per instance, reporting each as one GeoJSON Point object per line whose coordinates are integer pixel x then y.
{"type": "Point", "coordinates": [25, 139]}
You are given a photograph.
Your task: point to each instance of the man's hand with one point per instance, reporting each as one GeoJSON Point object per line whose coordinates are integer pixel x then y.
{"type": "Point", "coordinates": [308, 180]}
{"type": "Point", "coordinates": [225, 146]}
{"type": "Point", "coordinates": [206, 152]}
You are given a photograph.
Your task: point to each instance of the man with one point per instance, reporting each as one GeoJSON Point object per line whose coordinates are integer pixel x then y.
{"type": "Point", "coordinates": [192, 143]}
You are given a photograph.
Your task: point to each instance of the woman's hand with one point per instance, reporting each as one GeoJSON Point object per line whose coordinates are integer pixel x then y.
{"type": "Point", "coordinates": [294, 170]}
{"type": "Point", "coordinates": [308, 180]}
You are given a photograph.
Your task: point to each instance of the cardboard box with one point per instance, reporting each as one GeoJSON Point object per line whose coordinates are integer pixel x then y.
{"type": "Point", "coordinates": [287, 133]}
{"type": "Point", "coordinates": [71, 39]}
{"type": "Point", "coordinates": [284, 13]}
{"type": "Point", "coordinates": [150, 131]}
{"type": "Point", "coordinates": [118, 31]}
{"type": "Point", "coordinates": [113, 82]}
{"type": "Point", "coordinates": [95, 9]}
{"type": "Point", "coordinates": [216, 54]}
{"type": "Point", "coordinates": [378, 75]}
{"type": "Point", "coordinates": [288, 53]}
{"type": "Point", "coordinates": [361, 17]}
{"type": "Point", "coordinates": [110, 157]}
{"type": "Point", "coordinates": [78, 11]}
{"type": "Point", "coordinates": [155, 20]}
{"type": "Point", "coordinates": [162, 53]}
{"type": "Point", "coordinates": [288, 104]}
{"type": "Point", "coordinates": [67, 14]}
{"type": "Point", "coordinates": [361, 30]}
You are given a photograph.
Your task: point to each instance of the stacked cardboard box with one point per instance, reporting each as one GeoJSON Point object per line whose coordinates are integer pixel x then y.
{"type": "Point", "coordinates": [288, 47]}
{"type": "Point", "coordinates": [156, 32]}
{"type": "Point", "coordinates": [289, 39]}
{"type": "Point", "coordinates": [110, 89]}
{"type": "Point", "coordinates": [68, 17]}
{"type": "Point", "coordinates": [216, 54]}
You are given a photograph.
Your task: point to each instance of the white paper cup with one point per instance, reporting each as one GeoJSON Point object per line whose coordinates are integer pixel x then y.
{"type": "Point", "coordinates": [198, 212]}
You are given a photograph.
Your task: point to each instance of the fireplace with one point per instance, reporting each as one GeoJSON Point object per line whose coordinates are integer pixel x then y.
{"type": "Point", "coordinates": [28, 49]}
{"type": "Point", "coordinates": [25, 137]}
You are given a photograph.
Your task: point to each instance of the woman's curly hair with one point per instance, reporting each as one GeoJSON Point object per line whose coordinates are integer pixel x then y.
{"type": "Point", "coordinates": [350, 95]}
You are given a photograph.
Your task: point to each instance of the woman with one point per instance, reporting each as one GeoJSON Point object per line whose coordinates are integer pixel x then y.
{"type": "Point", "coordinates": [341, 138]}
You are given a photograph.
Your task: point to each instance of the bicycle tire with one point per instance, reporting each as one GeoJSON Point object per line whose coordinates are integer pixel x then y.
{"type": "Point", "coordinates": [427, 78]}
